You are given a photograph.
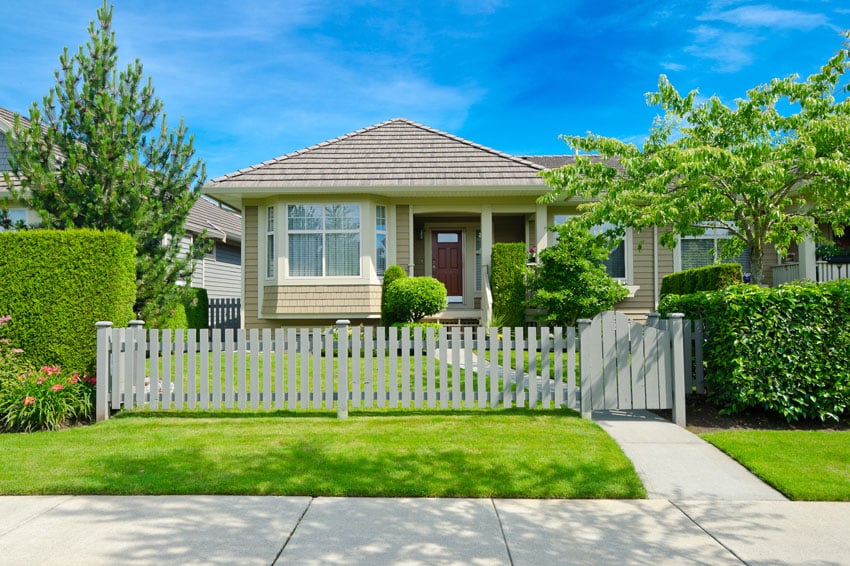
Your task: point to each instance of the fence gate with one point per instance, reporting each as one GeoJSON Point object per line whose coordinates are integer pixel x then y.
{"type": "Point", "coordinates": [626, 365]}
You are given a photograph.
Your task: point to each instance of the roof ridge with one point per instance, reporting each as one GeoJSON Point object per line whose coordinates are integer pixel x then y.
{"type": "Point", "coordinates": [350, 135]}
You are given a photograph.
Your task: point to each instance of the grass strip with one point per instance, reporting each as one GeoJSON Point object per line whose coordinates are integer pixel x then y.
{"type": "Point", "coordinates": [805, 465]}
{"type": "Point", "coordinates": [512, 453]}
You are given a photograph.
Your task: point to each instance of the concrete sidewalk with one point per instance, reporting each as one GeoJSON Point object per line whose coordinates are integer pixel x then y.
{"type": "Point", "coordinates": [94, 530]}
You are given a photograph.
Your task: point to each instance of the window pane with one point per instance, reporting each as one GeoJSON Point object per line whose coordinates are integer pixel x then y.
{"type": "Point", "coordinates": [616, 262]}
{"type": "Point", "coordinates": [343, 255]}
{"type": "Point", "coordinates": [743, 259]}
{"type": "Point", "coordinates": [304, 217]}
{"type": "Point", "coordinates": [381, 253]}
{"type": "Point", "coordinates": [697, 252]}
{"type": "Point", "coordinates": [447, 238]}
{"type": "Point", "coordinates": [305, 255]}
{"type": "Point", "coordinates": [270, 256]}
{"type": "Point", "coordinates": [381, 218]}
{"type": "Point", "coordinates": [342, 217]}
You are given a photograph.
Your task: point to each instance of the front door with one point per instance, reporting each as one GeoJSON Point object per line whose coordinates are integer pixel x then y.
{"type": "Point", "coordinates": [447, 261]}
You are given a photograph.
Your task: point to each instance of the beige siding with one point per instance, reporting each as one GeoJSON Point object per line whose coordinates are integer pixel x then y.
{"type": "Point", "coordinates": [402, 236]}
{"type": "Point", "coordinates": [250, 306]}
{"type": "Point", "coordinates": [333, 301]}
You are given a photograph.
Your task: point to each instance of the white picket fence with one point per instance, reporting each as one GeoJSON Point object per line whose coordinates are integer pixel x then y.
{"type": "Point", "coordinates": [375, 368]}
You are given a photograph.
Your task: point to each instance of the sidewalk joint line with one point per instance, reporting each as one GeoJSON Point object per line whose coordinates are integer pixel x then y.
{"type": "Point", "coordinates": [502, 530]}
{"type": "Point", "coordinates": [692, 520]}
{"type": "Point", "coordinates": [292, 532]}
{"type": "Point", "coordinates": [35, 516]}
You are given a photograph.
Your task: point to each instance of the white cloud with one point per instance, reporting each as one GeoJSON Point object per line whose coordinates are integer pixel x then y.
{"type": "Point", "coordinates": [729, 50]}
{"type": "Point", "coordinates": [671, 66]}
{"type": "Point", "coordinates": [766, 16]}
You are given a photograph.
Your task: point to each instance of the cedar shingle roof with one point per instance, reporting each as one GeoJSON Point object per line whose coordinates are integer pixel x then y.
{"type": "Point", "coordinates": [220, 223]}
{"type": "Point", "coordinates": [396, 153]}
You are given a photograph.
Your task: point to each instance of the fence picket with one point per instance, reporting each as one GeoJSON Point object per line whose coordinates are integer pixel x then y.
{"type": "Point", "coordinates": [494, 368]}
{"type": "Point", "coordinates": [191, 370]}
{"type": "Point", "coordinates": [455, 369]}
{"type": "Point", "coordinates": [545, 369]}
{"type": "Point", "coordinates": [507, 372]}
{"type": "Point", "coordinates": [405, 367]}
{"type": "Point", "coordinates": [624, 381]}
{"type": "Point", "coordinates": [216, 368]}
{"type": "Point", "coordinates": [482, 368]}
{"type": "Point", "coordinates": [316, 360]}
{"type": "Point", "coordinates": [279, 357]}
{"type": "Point", "coordinates": [431, 354]}
{"type": "Point", "coordinates": [519, 366]}
{"type": "Point", "coordinates": [266, 352]}
{"type": "Point", "coordinates": [167, 354]}
{"type": "Point", "coordinates": [355, 369]}
{"type": "Point", "coordinates": [393, 368]}
{"type": "Point", "coordinates": [329, 370]}
{"type": "Point", "coordinates": [417, 368]}
{"type": "Point", "coordinates": [139, 355]}
{"type": "Point", "coordinates": [153, 380]}
{"type": "Point", "coordinates": [532, 368]}
{"type": "Point", "coordinates": [380, 355]}
{"type": "Point", "coordinates": [571, 369]}
{"type": "Point", "coordinates": [558, 355]}
{"type": "Point", "coordinates": [291, 371]}
{"type": "Point", "coordinates": [368, 356]}
{"type": "Point", "coordinates": [229, 374]}
{"type": "Point", "coordinates": [204, 349]}
{"type": "Point", "coordinates": [444, 368]}
{"type": "Point", "coordinates": [128, 359]}
{"type": "Point", "coordinates": [638, 380]}
{"type": "Point", "coordinates": [468, 389]}
{"type": "Point", "coordinates": [179, 364]}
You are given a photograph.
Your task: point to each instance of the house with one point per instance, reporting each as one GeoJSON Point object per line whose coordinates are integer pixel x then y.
{"type": "Point", "coordinates": [321, 225]}
{"type": "Point", "coordinates": [219, 271]}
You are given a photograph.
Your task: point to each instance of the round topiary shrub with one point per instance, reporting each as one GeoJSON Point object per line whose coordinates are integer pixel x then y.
{"type": "Point", "coordinates": [413, 298]}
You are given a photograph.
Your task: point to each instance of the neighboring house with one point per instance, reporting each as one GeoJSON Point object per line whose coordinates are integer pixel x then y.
{"type": "Point", "coordinates": [219, 272]}
{"type": "Point", "coordinates": [322, 224]}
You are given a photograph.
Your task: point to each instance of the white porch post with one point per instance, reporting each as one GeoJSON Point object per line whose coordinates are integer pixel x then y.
{"type": "Point", "coordinates": [541, 227]}
{"type": "Point", "coordinates": [808, 262]}
{"type": "Point", "coordinates": [486, 236]}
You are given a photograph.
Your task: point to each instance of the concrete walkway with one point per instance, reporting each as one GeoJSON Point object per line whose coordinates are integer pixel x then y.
{"type": "Point", "coordinates": [92, 530]}
{"type": "Point", "coordinates": [675, 464]}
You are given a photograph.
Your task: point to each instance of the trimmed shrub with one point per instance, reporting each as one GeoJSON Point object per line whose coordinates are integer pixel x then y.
{"type": "Point", "coordinates": [784, 349]}
{"type": "Point", "coordinates": [197, 306]}
{"type": "Point", "coordinates": [57, 284]}
{"type": "Point", "coordinates": [507, 281]}
{"type": "Point", "coordinates": [393, 273]}
{"type": "Point", "coordinates": [571, 281]}
{"type": "Point", "coordinates": [411, 299]}
{"type": "Point", "coordinates": [710, 278]}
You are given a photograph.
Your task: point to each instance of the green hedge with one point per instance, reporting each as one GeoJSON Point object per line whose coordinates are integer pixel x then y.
{"type": "Point", "coordinates": [197, 306]}
{"type": "Point", "coordinates": [784, 349]}
{"type": "Point", "coordinates": [57, 284]}
{"type": "Point", "coordinates": [711, 278]}
{"type": "Point", "coordinates": [507, 280]}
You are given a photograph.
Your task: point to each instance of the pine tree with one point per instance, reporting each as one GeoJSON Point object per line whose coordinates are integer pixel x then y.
{"type": "Point", "coordinates": [98, 154]}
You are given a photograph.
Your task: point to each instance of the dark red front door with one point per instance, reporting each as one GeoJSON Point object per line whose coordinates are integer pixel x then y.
{"type": "Point", "coordinates": [447, 261]}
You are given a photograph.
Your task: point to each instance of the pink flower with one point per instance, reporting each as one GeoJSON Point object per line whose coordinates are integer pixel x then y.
{"type": "Point", "coordinates": [51, 370]}
{"type": "Point", "coordinates": [5, 319]}
{"type": "Point", "coordinates": [17, 350]}
{"type": "Point", "coordinates": [28, 401]}
{"type": "Point", "coordinates": [90, 379]}
{"type": "Point", "coordinates": [57, 387]}
{"type": "Point", "coordinates": [75, 378]}
{"type": "Point", "coordinates": [40, 380]}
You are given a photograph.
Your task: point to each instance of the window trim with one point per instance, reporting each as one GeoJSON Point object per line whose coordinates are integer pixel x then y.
{"type": "Point", "coordinates": [677, 255]}
{"type": "Point", "coordinates": [379, 232]}
{"type": "Point", "coordinates": [269, 244]}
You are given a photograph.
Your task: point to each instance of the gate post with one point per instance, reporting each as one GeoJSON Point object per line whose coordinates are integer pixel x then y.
{"type": "Point", "coordinates": [585, 407]}
{"type": "Point", "coordinates": [677, 335]}
{"type": "Point", "coordinates": [103, 378]}
{"type": "Point", "coordinates": [342, 369]}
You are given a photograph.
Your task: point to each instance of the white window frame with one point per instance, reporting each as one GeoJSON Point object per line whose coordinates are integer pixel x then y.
{"type": "Point", "coordinates": [628, 255]}
{"type": "Point", "coordinates": [324, 232]}
{"type": "Point", "coordinates": [269, 245]}
{"type": "Point", "coordinates": [381, 232]}
{"type": "Point", "coordinates": [711, 233]}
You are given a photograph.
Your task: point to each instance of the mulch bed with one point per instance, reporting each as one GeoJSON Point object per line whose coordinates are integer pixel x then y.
{"type": "Point", "coordinates": [703, 417]}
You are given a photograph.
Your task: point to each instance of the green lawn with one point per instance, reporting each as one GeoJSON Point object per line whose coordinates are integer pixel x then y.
{"type": "Point", "coordinates": [804, 465]}
{"type": "Point", "coordinates": [514, 453]}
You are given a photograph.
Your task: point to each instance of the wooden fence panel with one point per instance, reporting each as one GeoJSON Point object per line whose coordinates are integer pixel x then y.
{"type": "Point", "coordinates": [623, 345]}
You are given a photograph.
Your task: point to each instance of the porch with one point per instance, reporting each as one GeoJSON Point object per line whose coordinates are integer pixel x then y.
{"type": "Point", "coordinates": [824, 271]}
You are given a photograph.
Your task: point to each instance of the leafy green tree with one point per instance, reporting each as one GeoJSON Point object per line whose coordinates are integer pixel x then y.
{"type": "Point", "coordinates": [98, 154]}
{"type": "Point", "coordinates": [571, 281]}
{"type": "Point", "coordinates": [768, 169]}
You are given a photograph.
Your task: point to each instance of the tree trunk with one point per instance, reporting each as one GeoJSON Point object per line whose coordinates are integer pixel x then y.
{"type": "Point", "coordinates": [756, 264]}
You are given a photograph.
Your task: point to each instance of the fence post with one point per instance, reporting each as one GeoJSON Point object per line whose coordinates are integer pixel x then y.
{"type": "Point", "coordinates": [675, 327]}
{"type": "Point", "coordinates": [586, 407]}
{"type": "Point", "coordinates": [103, 378]}
{"type": "Point", "coordinates": [342, 368]}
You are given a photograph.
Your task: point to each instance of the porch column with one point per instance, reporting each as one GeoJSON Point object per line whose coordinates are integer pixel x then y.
{"type": "Point", "coordinates": [486, 237]}
{"type": "Point", "coordinates": [541, 227]}
{"type": "Point", "coordinates": [808, 262]}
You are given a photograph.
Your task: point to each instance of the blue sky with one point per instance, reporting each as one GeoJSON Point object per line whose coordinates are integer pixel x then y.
{"type": "Point", "coordinates": [255, 79]}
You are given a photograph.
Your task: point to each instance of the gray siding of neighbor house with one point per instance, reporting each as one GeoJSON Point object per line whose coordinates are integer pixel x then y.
{"type": "Point", "coordinates": [219, 272]}
{"type": "Point", "coordinates": [4, 154]}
